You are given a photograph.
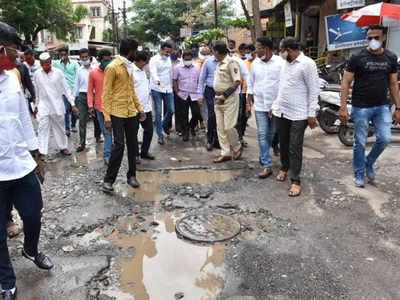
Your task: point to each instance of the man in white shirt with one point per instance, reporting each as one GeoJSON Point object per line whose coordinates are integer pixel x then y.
{"type": "Point", "coordinates": [262, 90]}
{"type": "Point", "coordinates": [30, 62]}
{"type": "Point", "coordinates": [50, 85]}
{"type": "Point", "coordinates": [295, 109]}
{"type": "Point", "coordinates": [161, 88]}
{"type": "Point", "coordinates": [19, 158]}
{"type": "Point", "coordinates": [80, 93]}
{"type": "Point", "coordinates": [142, 89]}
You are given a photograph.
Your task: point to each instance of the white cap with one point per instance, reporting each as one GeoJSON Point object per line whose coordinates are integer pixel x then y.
{"type": "Point", "coordinates": [44, 56]}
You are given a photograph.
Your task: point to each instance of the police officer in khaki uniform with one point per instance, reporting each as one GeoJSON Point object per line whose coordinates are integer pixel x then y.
{"type": "Point", "coordinates": [226, 83]}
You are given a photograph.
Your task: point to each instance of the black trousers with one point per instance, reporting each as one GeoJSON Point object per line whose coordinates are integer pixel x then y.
{"type": "Point", "coordinates": [183, 114]}
{"type": "Point", "coordinates": [25, 195]}
{"type": "Point", "coordinates": [97, 128]}
{"type": "Point", "coordinates": [242, 118]}
{"type": "Point", "coordinates": [212, 136]}
{"type": "Point", "coordinates": [123, 128]}
{"type": "Point", "coordinates": [291, 138]}
{"type": "Point", "coordinates": [147, 126]}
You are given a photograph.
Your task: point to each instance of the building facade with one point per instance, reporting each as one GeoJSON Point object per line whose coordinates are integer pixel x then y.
{"type": "Point", "coordinates": [89, 29]}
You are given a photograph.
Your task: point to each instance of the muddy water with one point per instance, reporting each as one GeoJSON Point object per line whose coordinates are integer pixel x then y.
{"type": "Point", "coordinates": [164, 265]}
{"type": "Point", "coordinates": [151, 181]}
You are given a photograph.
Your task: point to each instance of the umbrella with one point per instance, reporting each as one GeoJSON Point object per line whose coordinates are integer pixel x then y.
{"type": "Point", "coordinates": [381, 13]}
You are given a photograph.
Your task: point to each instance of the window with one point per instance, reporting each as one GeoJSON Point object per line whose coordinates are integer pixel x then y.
{"type": "Point", "coordinates": [79, 33]}
{"type": "Point", "coordinates": [93, 34]}
{"type": "Point", "coordinates": [95, 12]}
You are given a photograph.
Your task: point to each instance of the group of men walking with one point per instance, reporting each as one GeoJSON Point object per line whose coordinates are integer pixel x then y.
{"type": "Point", "coordinates": [283, 89]}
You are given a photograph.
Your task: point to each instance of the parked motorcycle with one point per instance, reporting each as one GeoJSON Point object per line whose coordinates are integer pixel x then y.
{"type": "Point", "coordinates": [329, 103]}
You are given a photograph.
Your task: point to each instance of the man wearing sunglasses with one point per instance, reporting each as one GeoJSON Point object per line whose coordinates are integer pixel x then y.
{"type": "Point", "coordinates": [19, 161]}
{"type": "Point", "coordinates": [374, 72]}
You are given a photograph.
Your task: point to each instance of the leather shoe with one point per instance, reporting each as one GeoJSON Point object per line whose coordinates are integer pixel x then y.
{"type": "Point", "coordinates": [222, 159]}
{"type": "Point", "coordinates": [9, 295]}
{"type": "Point", "coordinates": [161, 140]}
{"type": "Point", "coordinates": [265, 173]}
{"type": "Point", "coordinates": [107, 187]}
{"type": "Point", "coordinates": [238, 153]}
{"type": "Point", "coordinates": [133, 182]}
{"type": "Point", "coordinates": [41, 261]}
{"type": "Point", "coordinates": [80, 148]}
{"type": "Point", "coordinates": [209, 147]}
{"type": "Point", "coordinates": [147, 156]}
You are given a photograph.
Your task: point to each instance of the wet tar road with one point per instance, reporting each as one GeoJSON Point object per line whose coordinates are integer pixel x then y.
{"type": "Point", "coordinates": [333, 242]}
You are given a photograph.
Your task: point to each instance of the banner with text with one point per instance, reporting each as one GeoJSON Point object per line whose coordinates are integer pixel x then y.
{"type": "Point", "coordinates": [343, 4]}
{"type": "Point", "coordinates": [288, 15]}
{"type": "Point", "coordinates": [344, 34]}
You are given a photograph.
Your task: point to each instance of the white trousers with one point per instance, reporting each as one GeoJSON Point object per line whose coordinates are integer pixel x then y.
{"type": "Point", "coordinates": [56, 125]}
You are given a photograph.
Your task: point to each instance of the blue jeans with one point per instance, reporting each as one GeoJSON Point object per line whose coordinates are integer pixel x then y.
{"type": "Point", "coordinates": [158, 99]}
{"type": "Point", "coordinates": [107, 135]}
{"type": "Point", "coordinates": [381, 118]}
{"type": "Point", "coordinates": [70, 118]}
{"type": "Point", "coordinates": [25, 195]}
{"type": "Point", "coordinates": [266, 129]}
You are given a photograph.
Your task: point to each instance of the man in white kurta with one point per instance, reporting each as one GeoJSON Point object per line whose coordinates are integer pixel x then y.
{"type": "Point", "coordinates": [50, 86]}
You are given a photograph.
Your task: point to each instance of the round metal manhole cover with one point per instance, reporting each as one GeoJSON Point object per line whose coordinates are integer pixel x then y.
{"type": "Point", "coordinates": [208, 227]}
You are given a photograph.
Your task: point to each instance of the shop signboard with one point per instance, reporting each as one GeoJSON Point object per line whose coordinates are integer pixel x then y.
{"type": "Point", "coordinates": [344, 34]}
{"type": "Point", "coordinates": [288, 15]}
{"type": "Point", "coordinates": [343, 4]}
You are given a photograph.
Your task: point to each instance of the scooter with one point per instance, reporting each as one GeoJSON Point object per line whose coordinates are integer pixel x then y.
{"type": "Point", "coordinates": [329, 103]}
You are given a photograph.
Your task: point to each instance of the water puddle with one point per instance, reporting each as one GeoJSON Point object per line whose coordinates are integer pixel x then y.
{"type": "Point", "coordinates": [163, 265]}
{"type": "Point", "coordinates": [150, 182]}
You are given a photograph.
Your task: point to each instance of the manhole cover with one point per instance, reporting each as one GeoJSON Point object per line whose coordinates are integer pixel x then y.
{"type": "Point", "coordinates": [208, 227]}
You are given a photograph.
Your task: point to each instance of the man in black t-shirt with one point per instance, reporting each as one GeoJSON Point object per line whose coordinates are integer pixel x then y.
{"type": "Point", "coordinates": [374, 71]}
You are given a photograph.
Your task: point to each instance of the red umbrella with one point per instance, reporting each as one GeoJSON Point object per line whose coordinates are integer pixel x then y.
{"type": "Point", "coordinates": [381, 13]}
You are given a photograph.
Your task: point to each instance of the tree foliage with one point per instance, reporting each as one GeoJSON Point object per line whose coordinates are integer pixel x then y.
{"type": "Point", "coordinates": [32, 16]}
{"type": "Point", "coordinates": [205, 36]}
{"type": "Point", "coordinates": [158, 19]}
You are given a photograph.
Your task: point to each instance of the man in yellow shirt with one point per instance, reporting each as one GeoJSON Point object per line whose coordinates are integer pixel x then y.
{"type": "Point", "coordinates": [120, 109]}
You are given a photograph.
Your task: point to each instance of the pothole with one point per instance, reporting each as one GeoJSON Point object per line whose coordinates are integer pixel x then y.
{"type": "Point", "coordinates": [151, 182]}
{"type": "Point", "coordinates": [208, 227]}
{"type": "Point", "coordinates": [163, 265]}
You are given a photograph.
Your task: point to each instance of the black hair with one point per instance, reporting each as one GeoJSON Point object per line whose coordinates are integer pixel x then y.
{"type": "Point", "coordinates": [141, 56]}
{"type": "Point", "coordinates": [251, 47]}
{"type": "Point", "coordinates": [194, 45]}
{"type": "Point", "coordinates": [220, 47]}
{"type": "Point", "coordinates": [265, 42]}
{"type": "Point", "coordinates": [187, 53]}
{"type": "Point", "coordinates": [83, 51]}
{"type": "Point", "coordinates": [9, 35]}
{"type": "Point", "coordinates": [63, 49]}
{"type": "Point", "coordinates": [127, 45]}
{"type": "Point", "coordinates": [291, 43]}
{"type": "Point", "coordinates": [377, 27]}
{"type": "Point", "coordinates": [242, 46]}
{"type": "Point", "coordinates": [166, 45]}
{"type": "Point", "coordinates": [102, 53]}
{"type": "Point", "coordinates": [146, 48]}
{"type": "Point", "coordinates": [232, 41]}
{"type": "Point", "coordinates": [28, 52]}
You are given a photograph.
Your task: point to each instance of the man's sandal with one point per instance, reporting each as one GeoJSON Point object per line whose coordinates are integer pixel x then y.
{"type": "Point", "coordinates": [295, 190]}
{"type": "Point", "coordinates": [281, 176]}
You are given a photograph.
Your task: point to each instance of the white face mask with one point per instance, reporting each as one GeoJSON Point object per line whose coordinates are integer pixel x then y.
{"type": "Point", "coordinates": [187, 63]}
{"type": "Point", "coordinates": [86, 62]}
{"type": "Point", "coordinates": [263, 57]}
{"type": "Point", "coordinates": [375, 45]}
{"type": "Point", "coordinates": [284, 55]}
{"type": "Point", "coordinates": [249, 56]}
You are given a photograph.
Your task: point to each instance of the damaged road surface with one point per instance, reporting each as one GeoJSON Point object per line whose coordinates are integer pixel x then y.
{"type": "Point", "coordinates": [199, 231]}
